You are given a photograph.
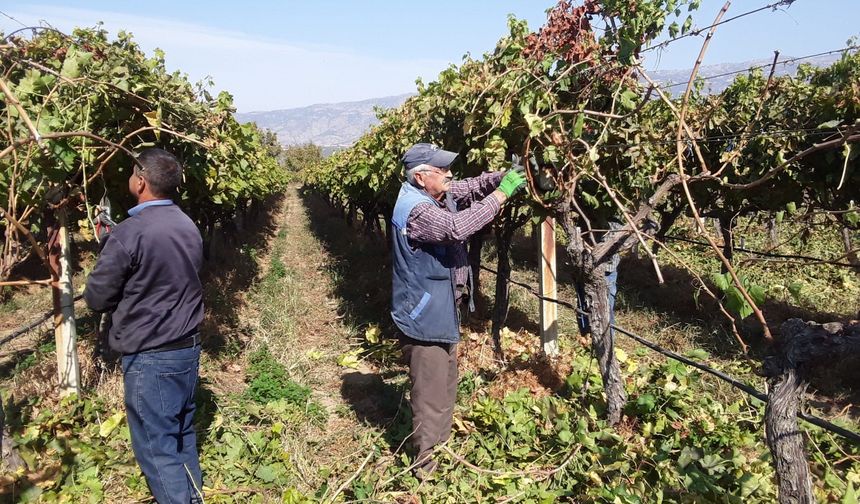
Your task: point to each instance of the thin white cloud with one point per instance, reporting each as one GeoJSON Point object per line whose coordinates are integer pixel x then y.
{"type": "Point", "coordinates": [262, 74]}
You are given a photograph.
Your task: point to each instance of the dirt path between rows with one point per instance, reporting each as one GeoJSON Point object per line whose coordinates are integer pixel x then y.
{"type": "Point", "coordinates": [321, 333]}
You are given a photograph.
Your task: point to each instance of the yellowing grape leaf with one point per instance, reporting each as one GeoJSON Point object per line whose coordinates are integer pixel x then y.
{"type": "Point", "coordinates": [349, 359]}
{"type": "Point", "coordinates": [372, 334]}
{"type": "Point", "coordinates": [111, 424]}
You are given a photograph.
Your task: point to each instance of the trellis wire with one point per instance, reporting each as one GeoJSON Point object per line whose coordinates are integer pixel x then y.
{"type": "Point", "coordinates": [818, 422]}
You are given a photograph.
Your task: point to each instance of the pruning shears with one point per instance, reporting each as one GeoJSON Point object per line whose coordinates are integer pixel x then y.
{"type": "Point", "coordinates": [103, 221]}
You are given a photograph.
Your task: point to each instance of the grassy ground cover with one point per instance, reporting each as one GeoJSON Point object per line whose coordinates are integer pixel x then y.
{"type": "Point", "coordinates": [302, 397]}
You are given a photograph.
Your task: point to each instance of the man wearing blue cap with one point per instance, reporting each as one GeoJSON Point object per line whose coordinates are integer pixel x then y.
{"type": "Point", "coordinates": [433, 218]}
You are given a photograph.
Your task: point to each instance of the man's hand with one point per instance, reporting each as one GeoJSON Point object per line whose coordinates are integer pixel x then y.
{"type": "Point", "coordinates": [512, 182]}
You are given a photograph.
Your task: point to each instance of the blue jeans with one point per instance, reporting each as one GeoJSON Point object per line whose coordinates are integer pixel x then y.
{"type": "Point", "coordinates": [159, 403]}
{"type": "Point", "coordinates": [611, 281]}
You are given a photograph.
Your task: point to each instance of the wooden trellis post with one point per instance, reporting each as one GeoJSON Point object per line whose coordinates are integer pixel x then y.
{"type": "Point", "coordinates": [65, 330]}
{"type": "Point", "coordinates": [548, 288]}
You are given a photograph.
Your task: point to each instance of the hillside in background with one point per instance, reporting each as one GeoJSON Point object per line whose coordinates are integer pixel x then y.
{"type": "Point", "coordinates": [720, 76]}
{"type": "Point", "coordinates": [330, 125]}
{"type": "Point", "coordinates": [337, 125]}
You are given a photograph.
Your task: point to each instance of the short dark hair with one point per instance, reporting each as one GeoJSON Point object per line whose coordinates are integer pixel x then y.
{"type": "Point", "coordinates": [161, 170]}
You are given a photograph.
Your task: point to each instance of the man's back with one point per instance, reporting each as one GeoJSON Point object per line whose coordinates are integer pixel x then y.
{"type": "Point", "coordinates": [157, 253]}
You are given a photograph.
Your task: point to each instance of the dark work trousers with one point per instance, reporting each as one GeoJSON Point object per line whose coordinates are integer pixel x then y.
{"type": "Point", "coordinates": [159, 403]}
{"type": "Point", "coordinates": [433, 371]}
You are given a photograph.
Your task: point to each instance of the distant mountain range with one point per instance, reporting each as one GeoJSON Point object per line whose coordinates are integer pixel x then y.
{"type": "Point", "coordinates": [327, 124]}
{"type": "Point", "coordinates": [719, 77]}
{"type": "Point", "coordinates": [337, 125]}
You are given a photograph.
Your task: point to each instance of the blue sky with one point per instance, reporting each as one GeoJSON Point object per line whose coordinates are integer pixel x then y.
{"type": "Point", "coordinates": [273, 55]}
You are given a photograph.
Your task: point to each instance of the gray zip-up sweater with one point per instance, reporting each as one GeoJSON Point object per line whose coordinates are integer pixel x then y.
{"type": "Point", "coordinates": [147, 274]}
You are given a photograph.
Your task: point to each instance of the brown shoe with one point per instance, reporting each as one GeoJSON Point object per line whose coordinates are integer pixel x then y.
{"type": "Point", "coordinates": [426, 471]}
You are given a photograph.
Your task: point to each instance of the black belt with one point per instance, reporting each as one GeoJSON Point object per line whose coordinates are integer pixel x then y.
{"type": "Point", "coordinates": [186, 342]}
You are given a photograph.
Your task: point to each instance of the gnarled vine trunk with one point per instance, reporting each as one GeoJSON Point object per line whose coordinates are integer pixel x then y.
{"type": "Point", "coordinates": [592, 261]}
{"type": "Point", "coordinates": [476, 243]}
{"type": "Point", "coordinates": [727, 233]}
{"type": "Point", "coordinates": [850, 252]}
{"type": "Point", "coordinates": [591, 271]}
{"type": "Point", "coordinates": [10, 460]}
{"type": "Point", "coordinates": [502, 303]}
{"type": "Point", "coordinates": [772, 232]}
{"type": "Point", "coordinates": [667, 220]}
{"type": "Point", "coordinates": [799, 346]}
{"type": "Point", "coordinates": [387, 214]}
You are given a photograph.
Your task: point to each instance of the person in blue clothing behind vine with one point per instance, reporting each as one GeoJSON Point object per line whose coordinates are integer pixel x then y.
{"type": "Point", "coordinates": [609, 226]}
{"type": "Point", "coordinates": [611, 285]}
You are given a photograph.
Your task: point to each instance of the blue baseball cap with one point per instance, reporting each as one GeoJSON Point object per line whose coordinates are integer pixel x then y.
{"type": "Point", "coordinates": [429, 154]}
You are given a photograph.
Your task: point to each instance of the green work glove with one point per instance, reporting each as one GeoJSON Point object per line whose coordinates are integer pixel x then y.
{"type": "Point", "coordinates": [512, 181]}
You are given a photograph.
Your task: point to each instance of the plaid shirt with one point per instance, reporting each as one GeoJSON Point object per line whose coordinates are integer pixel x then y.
{"type": "Point", "coordinates": [436, 224]}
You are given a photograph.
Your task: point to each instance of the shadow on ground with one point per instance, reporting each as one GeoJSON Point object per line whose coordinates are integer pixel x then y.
{"type": "Point", "coordinates": [21, 358]}
{"type": "Point", "coordinates": [360, 274]}
{"type": "Point", "coordinates": [230, 269]}
{"type": "Point", "coordinates": [359, 266]}
{"type": "Point", "coordinates": [377, 401]}
{"type": "Point", "coordinates": [679, 301]}
{"type": "Point", "coordinates": [206, 403]}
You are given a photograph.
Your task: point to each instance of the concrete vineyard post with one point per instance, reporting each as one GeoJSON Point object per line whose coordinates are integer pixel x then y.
{"type": "Point", "coordinates": [65, 331]}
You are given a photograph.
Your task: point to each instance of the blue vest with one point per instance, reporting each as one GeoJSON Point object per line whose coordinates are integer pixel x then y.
{"type": "Point", "coordinates": [422, 290]}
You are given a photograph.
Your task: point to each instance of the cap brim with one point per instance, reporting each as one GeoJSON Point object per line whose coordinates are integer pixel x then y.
{"type": "Point", "coordinates": [442, 159]}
